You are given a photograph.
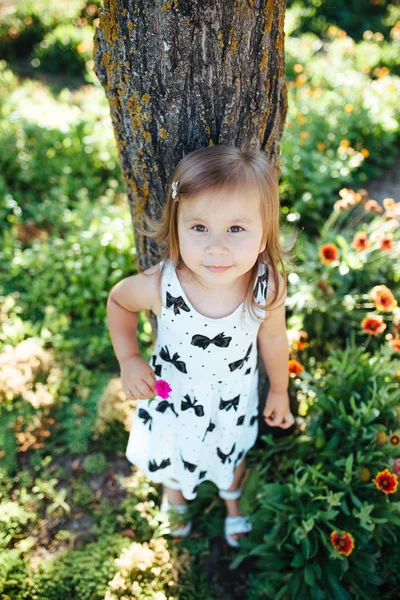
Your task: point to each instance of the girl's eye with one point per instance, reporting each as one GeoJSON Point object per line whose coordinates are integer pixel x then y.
{"type": "Point", "coordinates": [232, 226]}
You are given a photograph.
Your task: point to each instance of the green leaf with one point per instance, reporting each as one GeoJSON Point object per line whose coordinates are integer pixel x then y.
{"type": "Point", "coordinates": [309, 575]}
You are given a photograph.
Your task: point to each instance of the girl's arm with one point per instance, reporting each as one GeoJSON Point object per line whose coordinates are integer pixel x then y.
{"type": "Point", "coordinates": [127, 297]}
{"type": "Point", "coordinates": [274, 346]}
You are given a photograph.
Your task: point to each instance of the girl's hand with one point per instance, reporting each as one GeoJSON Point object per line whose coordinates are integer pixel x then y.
{"type": "Point", "coordinates": [138, 378]}
{"type": "Point", "coordinates": [277, 410]}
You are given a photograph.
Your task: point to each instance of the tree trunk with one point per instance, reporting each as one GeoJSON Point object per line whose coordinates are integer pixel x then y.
{"type": "Point", "coordinates": [181, 75]}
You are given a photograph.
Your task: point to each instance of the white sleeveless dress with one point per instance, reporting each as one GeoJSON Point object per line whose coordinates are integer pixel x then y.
{"type": "Point", "coordinates": [210, 420]}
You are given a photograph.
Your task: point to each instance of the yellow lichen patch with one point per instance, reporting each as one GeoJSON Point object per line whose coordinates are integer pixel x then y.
{"type": "Point", "coordinates": [130, 26]}
{"type": "Point", "coordinates": [264, 60]}
{"type": "Point", "coordinates": [234, 40]}
{"type": "Point", "coordinates": [163, 133]}
{"type": "Point", "coordinates": [146, 98]}
{"type": "Point", "coordinates": [166, 6]}
{"type": "Point", "coordinates": [220, 35]}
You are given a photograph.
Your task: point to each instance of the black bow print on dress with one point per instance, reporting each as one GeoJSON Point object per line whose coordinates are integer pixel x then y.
{"type": "Point", "coordinates": [189, 466]}
{"type": "Point", "coordinates": [253, 419]}
{"type": "Point", "coordinates": [210, 427]}
{"type": "Point", "coordinates": [228, 404]}
{"type": "Point", "coordinates": [179, 364]}
{"type": "Point", "coordinates": [163, 405]}
{"type": "Point", "coordinates": [238, 458]}
{"type": "Point", "coordinates": [154, 467]}
{"type": "Point", "coordinates": [223, 456]}
{"type": "Point", "coordinates": [240, 420]}
{"type": "Point", "coordinates": [262, 283]}
{"type": "Point", "coordinates": [189, 404]}
{"type": "Point", "coordinates": [202, 474]}
{"type": "Point", "coordinates": [177, 303]}
{"type": "Point", "coordinates": [238, 364]}
{"type": "Point", "coordinates": [203, 341]}
{"type": "Point", "coordinates": [147, 418]}
{"type": "Point", "coordinates": [157, 368]}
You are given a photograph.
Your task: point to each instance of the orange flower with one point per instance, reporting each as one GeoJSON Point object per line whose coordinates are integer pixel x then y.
{"type": "Point", "coordinates": [383, 298]}
{"type": "Point", "coordinates": [299, 340]}
{"type": "Point", "coordinates": [343, 542]}
{"type": "Point", "coordinates": [329, 253]}
{"type": "Point", "coordinates": [388, 202]}
{"type": "Point", "coordinates": [386, 481]}
{"type": "Point", "coordinates": [364, 152]}
{"type": "Point", "coordinates": [350, 196]}
{"type": "Point", "coordinates": [395, 343]}
{"type": "Point", "coordinates": [373, 206]}
{"type": "Point", "coordinates": [321, 147]}
{"type": "Point", "coordinates": [341, 205]}
{"type": "Point", "coordinates": [360, 241]}
{"type": "Point", "coordinates": [295, 368]}
{"type": "Point", "coordinates": [386, 242]}
{"type": "Point", "coordinates": [373, 325]}
{"type": "Point", "coordinates": [395, 439]}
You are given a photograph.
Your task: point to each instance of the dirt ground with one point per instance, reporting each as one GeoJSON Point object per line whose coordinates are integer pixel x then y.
{"type": "Point", "coordinates": [387, 186]}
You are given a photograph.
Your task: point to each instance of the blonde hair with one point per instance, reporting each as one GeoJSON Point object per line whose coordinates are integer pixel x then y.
{"type": "Point", "coordinates": [216, 168]}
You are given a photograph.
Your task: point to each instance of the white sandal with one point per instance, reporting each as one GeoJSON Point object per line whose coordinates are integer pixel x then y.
{"type": "Point", "coordinates": [167, 509]}
{"type": "Point", "coordinates": [239, 524]}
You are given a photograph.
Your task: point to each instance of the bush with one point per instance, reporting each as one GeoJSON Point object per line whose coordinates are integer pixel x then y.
{"type": "Point", "coordinates": [25, 23]}
{"type": "Point", "coordinates": [320, 480]}
{"type": "Point", "coordinates": [339, 130]}
{"type": "Point", "coordinates": [348, 278]}
{"type": "Point", "coordinates": [56, 152]}
{"type": "Point", "coordinates": [67, 49]}
{"type": "Point", "coordinates": [354, 16]}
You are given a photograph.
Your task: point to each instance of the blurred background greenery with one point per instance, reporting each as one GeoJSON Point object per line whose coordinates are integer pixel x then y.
{"type": "Point", "coordinates": [66, 238]}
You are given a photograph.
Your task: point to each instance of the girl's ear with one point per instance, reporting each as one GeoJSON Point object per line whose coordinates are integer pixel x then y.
{"type": "Point", "coordinates": [262, 247]}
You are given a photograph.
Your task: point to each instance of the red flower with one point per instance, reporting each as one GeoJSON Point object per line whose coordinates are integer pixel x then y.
{"type": "Point", "coordinates": [373, 325]}
{"type": "Point", "coordinates": [395, 439]}
{"type": "Point", "coordinates": [163, 388]}
{"type": "Point", "coordinates": [329, 253]}
{"type": "Point", "coordinates": [386, 481]}
{"type": "Point", "coordinates": [395, 343]}
{"type": "Point", "coordinates": [295, 368]}
{"type": "Point", "coordinates": [343, 542]}
{"type": "Point", "coordinates": [360, 241]}
{"type": "Point", "coordinates": [383, 298]}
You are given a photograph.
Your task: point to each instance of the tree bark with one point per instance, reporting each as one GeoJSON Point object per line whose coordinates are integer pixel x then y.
{"type": "Point", "coordinates": [181, 75]}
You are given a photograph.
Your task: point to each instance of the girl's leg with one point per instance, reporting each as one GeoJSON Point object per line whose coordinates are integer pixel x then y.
{"type": "Point", "coordinates": [174, 496]}
{"type": "Point", "coordinates": [232, 506]}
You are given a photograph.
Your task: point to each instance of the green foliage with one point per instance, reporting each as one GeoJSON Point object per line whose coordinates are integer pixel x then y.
{"type": "Point", "coordinates": [354, 16]}
{"type": "Point", "coordinates": [26, 22]}
{"type": "Point", "coordinates": [14, 575]}
{"type": "Point", "coordinates": [65, 49]}
{"type": "Point", "coordinates": [77, 417]}
{"type": "Point", "coordinates": [14, 518]}
{"type": "Point", "coordinates": [338, 129]}
{"type": "Point", "coordinates": [328, 300]}
{"type": "Point", "coordinates": [95, 463]}
{"type": "Point", "coordinates": [82, 573]}
{"type": "Point", "coordinates": [308, 488]}
{"type": "Point", "coordinates": [58, 152]}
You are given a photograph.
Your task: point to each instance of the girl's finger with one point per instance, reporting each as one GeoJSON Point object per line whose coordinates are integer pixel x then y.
{"type": "Point", "coordinates": [152, 388]}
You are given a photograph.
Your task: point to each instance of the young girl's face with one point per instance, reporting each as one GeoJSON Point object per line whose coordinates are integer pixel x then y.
{"type": "Point", "coordinates": [220, 229]}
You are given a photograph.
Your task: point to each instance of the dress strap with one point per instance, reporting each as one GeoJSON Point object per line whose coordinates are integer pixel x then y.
{"type": "Point", "coordinates": [261, 285]}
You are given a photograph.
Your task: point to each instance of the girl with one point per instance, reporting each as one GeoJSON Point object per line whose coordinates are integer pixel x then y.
{"type": "Point", "coordinates": [217, 294]}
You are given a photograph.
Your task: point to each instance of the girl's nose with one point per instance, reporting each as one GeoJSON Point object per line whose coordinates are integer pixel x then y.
{"type": "Point", "coordinates": [217, 245]}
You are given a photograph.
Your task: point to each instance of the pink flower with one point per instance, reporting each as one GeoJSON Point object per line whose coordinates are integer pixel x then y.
{"type": "Point", "coordinates": [163, 388]}
{"type": "Point", "coordinates": [396, 467]}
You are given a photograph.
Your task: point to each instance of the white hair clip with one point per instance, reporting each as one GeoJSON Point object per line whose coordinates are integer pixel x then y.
{"type": "Point", "coordinates": [175, 189]}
